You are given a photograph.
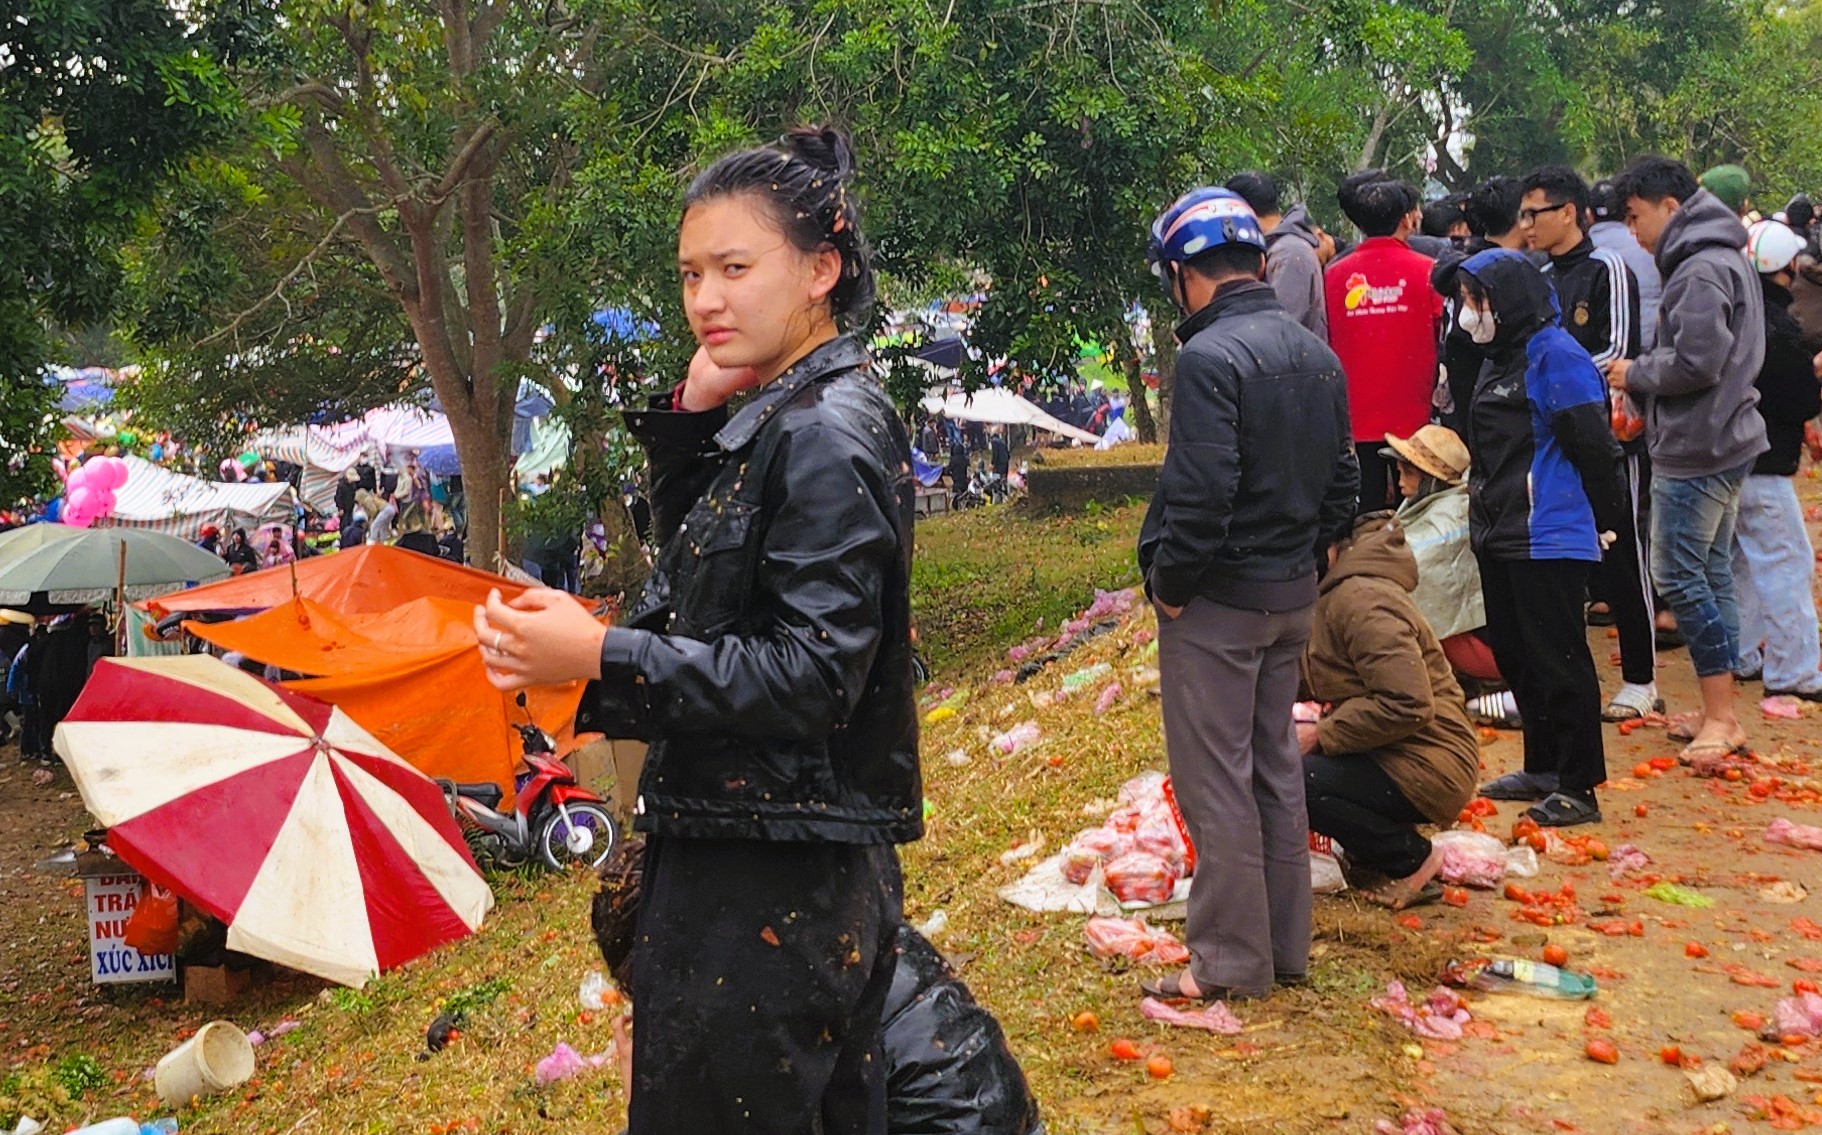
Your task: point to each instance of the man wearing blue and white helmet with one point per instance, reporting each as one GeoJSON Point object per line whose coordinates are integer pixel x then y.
{"type": "Point", "coordinates": [1259, 480]}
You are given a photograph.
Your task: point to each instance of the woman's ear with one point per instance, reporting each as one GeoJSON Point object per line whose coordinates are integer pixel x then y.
{"type": "Point", "coordinates": [825, 273]}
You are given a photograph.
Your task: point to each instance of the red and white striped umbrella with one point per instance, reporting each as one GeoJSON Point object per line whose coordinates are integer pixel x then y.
{"type": "Point", "coordinates": [320, 848]}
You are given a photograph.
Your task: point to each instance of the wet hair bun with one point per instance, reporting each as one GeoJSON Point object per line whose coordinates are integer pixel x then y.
{"type": "Point", "coordinates": [823, 147]}
{"type": "Point", "coordinates": [802, 181]}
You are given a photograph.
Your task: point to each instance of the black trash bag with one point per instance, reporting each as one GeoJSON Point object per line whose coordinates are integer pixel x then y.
{"type": "Point", "coordinates": [949, 1069]}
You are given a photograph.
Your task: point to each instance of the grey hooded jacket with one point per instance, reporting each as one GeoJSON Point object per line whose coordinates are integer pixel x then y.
{"type": "Point", "coordinates": [1696, 384]}
{"type": "Point", "coordinates": [1294, 271]}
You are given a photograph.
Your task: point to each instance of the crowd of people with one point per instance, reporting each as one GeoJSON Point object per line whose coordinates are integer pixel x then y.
{"type": "Point", "coordinates": [1429, 462]}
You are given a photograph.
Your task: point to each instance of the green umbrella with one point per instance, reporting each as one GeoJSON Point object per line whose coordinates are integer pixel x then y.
{"type": "Point", "coordinates": [82, 565]}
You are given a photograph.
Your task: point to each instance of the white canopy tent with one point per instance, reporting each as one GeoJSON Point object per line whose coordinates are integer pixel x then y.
{"type": "Point", "coordinates": [999, 406]}
{"type": "Point", "coordinates": [154, 497]}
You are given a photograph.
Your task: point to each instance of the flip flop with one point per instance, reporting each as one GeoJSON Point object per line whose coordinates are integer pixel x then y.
{"type": "Point", "coordinates": [1668, 640]}
{"type": "Point", "coordinates": [1519, 786]}
{"type": "Point", "coordinates": [1683, 727]}
{"type": "Point", "coordinates": [1171, 989]}
{"type": "Point", "coordinates": [1698, 749]}
{"type": "Point", "coordinates": [1600, 618]}
{"type": "Point", "coordinates": [1563, 811]}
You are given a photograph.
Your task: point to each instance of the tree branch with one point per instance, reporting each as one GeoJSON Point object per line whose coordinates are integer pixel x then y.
{"type": "Point", "coordinates": [285, 280]}
{"type": "Point", "coordinates": [458, 168]}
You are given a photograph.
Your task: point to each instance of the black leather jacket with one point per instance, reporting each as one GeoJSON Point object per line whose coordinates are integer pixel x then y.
{"type": "Point", "coordinates": [768, 659]}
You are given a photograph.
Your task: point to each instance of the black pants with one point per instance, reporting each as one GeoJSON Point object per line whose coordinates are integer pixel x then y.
{"type": "Point", "coordinates": [1377, 477]}
{"type": "Point", "coordinates": [34, 738]}
{"type": "Point", "coordinates": [760, 974]}
{"type": "Point", "coordinates": [1352, 801]}
{"type": "Point", "coordinates": [1539, 639]}
{"type": "Point", "coordinates": [1623, 581]}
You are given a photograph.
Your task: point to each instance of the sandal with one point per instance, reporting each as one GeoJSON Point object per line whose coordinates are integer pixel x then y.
{"type": "Point", "coordinates": [1629, 705]}
{"type": "Point", "coordinates": [1560, 810]}
{"type": "Point", "coordinates": [1683, 727]}
{"type": "Point", "coordinates": [1668, 639]}
{"type": "Point", "coordinates": [1598, 618]}
{"type": "Point", "coordinates": [1171, 989]}
{"type": "Point", "coordinates": [1413, 888]}
{"type": "Point", "coordinates": [1519, 786]}
{"type": "Point", "coordinates": [1697, 750]}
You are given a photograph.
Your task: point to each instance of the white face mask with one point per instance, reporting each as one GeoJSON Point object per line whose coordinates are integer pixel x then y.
{"type": "Point", "coordinates": [1480, 325]}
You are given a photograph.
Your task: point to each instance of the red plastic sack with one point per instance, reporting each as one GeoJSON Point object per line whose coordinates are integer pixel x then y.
{"type": "Point", "coordinates": [152, 927]}
{"type": "Point", "coordinates": [1176, 815]}
{"type": "Point", "coordinates": [1139, 876]}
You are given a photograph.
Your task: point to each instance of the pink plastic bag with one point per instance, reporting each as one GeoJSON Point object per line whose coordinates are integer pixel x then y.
{"type": "Point", "coordinates": [1472, 859]}
{"type": "Point", "coordinates": [1438, 1017]}
{"type": "Point", "coordinates": [1800, 1015]}
{"type": "Point", "coordinates": [1134, 940]}
{"type": "Point", "coordinates": [1216, 1017]}
{"type": "Point", "coordinates": [1804, 836]}
{"type": "Point", "coordinates": [1140, 877]}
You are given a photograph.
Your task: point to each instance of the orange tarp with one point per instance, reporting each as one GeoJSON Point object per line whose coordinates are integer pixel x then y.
{"type": "Point", "coordinates": [367, 580]}
{"type": "Point", "coordinates": [411, 676]}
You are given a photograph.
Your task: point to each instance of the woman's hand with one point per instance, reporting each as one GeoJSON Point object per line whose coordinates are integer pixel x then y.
{"type": "Point", "coordinates": [709, 386]}
{"type": "Point", "coordinates": [542, 638]}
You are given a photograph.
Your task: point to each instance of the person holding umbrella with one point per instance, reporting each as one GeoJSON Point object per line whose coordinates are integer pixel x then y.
{"type": "Point", "coordinates": [768, 663]}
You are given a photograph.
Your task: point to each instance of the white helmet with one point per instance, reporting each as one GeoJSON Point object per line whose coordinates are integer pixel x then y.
{"type": "Point", "coordinates": [1772, 245]}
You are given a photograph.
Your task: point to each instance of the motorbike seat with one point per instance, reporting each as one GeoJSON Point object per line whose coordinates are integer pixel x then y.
{"type": "Point", "coordinates": [486, 792]}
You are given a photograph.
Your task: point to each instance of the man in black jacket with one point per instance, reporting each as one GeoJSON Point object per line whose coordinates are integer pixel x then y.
{"type": "Point", "coordinates": [1599, 300]}
{"type": "Point", "coordinates": [1773, 562]}
{"type": "Point", "coordinates": [1259, 477]}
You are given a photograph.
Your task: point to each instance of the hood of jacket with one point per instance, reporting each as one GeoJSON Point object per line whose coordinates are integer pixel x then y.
{"type": "Point", "coordinates": [1378, 552]}
{"type": "Point", "coordinates": [1295, 223]}
{"type": "Point", "coordinates": [1703, 221]}
{"type": "Point", "coordinates": [1522, 299]}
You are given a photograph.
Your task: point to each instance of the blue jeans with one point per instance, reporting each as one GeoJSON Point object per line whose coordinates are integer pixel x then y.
{"type": "Point", "coordinates": [1692, 523]}
{"type": "Point", "coordinates": [1773, 564]}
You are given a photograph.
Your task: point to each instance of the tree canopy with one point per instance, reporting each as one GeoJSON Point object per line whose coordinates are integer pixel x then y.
{"type": "Point", "coordinates": [355, 201]}
{"type": "Point", "coordinates": [99, 101]}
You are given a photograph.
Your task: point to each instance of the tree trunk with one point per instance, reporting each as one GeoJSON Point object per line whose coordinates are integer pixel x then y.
{"type": "Point", "coordinates": [486, 472]}
{"type": "Point", "coordinates": [1139, 401]}
{"type": "Point", "coordinates": [1164, 355]}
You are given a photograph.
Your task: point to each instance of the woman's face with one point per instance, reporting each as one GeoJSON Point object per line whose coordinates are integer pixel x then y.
{"type": "Point", "coordinates": [752, 298]}
{"type": "Point", "coordinates": [1410, 479]}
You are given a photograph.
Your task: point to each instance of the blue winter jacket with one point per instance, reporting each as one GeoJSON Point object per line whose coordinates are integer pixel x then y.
{"type": "Point", "coordinates": [1542, 482]}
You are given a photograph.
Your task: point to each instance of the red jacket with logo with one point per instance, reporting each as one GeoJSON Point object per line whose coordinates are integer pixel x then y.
{"type": "Point", "coordinates": [1383, 323]}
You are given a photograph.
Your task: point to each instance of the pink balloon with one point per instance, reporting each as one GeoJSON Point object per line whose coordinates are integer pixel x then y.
{"type": "Point", "coordinates": [110, 473]}
{"type": "Point", "coordinates": [78, 477]}
{"type": "Point", "coordinates": [80, 498]}
{"type": "Point", "coordinates": [103, 503]}
{"type": "Point", "coordinates": [121, 472]}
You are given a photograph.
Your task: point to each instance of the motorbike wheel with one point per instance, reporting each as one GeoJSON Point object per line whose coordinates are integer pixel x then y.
{"type": "Point", "coordinates": [589, 842]}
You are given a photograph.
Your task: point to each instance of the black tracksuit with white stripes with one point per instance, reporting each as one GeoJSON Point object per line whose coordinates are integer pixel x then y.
{"type": "Point", "coordinates": [1600, 301]}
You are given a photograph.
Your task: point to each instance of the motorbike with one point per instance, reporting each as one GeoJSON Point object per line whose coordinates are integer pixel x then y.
{"type": "Point", "coordinates": [553, 821]}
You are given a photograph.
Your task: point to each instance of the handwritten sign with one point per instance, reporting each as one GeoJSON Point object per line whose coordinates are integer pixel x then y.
{"type": "Point", "coordinates": [111, 899]}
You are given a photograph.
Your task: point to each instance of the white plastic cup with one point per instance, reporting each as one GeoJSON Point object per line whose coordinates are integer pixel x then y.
{"type": "Point", "coordinates": [219, 1057]}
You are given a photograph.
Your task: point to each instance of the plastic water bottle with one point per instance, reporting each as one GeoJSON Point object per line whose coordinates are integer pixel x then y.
{"type": "Point", "coordinates": [1520, 975]}
{"type": "Point", "coordinates": [122, 1125]}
